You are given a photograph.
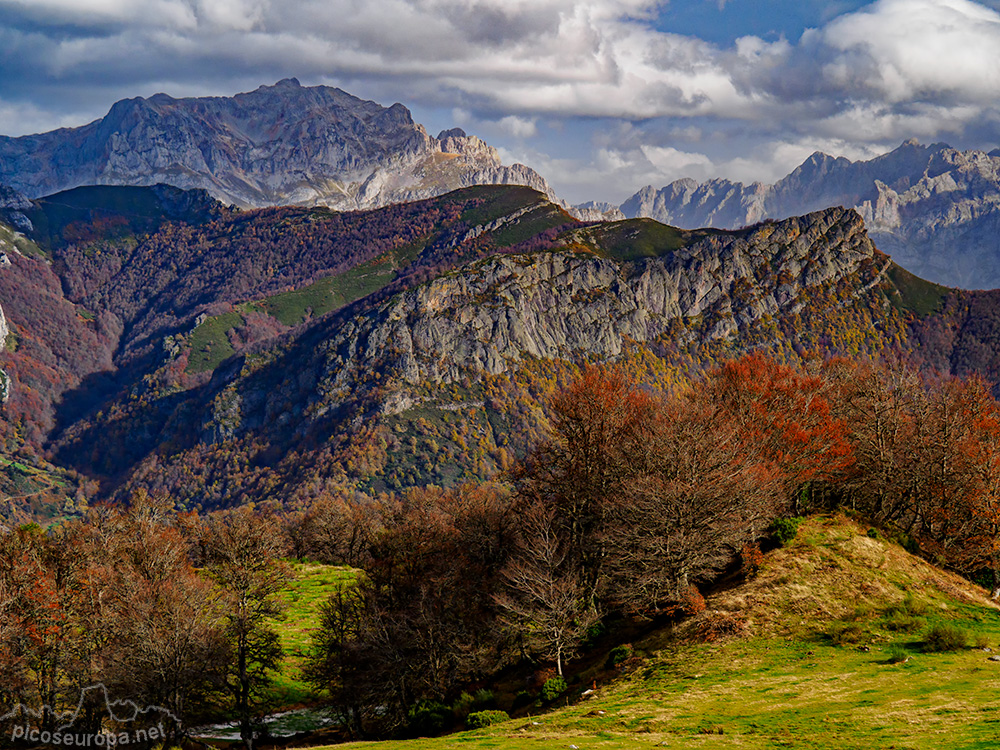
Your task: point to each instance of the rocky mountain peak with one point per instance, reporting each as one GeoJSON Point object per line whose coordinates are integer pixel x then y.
{"type": "Point", "coordinates": [276, 145]}
{"type": "Point", "coordinates": [935, 209]}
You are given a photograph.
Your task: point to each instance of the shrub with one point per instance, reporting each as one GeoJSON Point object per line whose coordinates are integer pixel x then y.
{"type": "Point", "coordinates": [844, 633]}
{"type": "Point", "coordinates": [553, 688]}
{"type": "Point", "coordinates": [594, 633]}
{"type": "Point", "coordinates": [898, 654]}
{"type": "Point", "coordinates": [481, 719]}
{"type": "Point", "coordinates": [692, 602]}
{"type": "Point", "coordinates": [863, 611]}
{"type": "Point", "coordinates": [905, 616]}
{"type": "Point", "coordinates": [901, 622]}
{"type": "Point", "coordinates": [785, 529]}
{"type": "Point", "coordinates": [945, 638]}
{"type": "Point", "coordinates": [467, 703]}
{"type": "Point", "coordinates": [982, 642]}
{"type": "Point", "coordinates": [463, 704]}
{"type": "Point", "coordinates": [428, 718]}
{"type": "Point", "coordinates": [619, 654]}
{"type": "Point", "coordinates": [873, 533]}
{"type": "Point", "coordinates": [484, 698]}
{"type": "Point", "coordinates": [913, 606]}
{"type": "Point", "coordinates": [722, 625]}
{"type": "Point", "coordinates": [751, 558]}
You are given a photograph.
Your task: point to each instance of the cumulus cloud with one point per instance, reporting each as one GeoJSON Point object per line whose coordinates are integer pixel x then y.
{"type": "Point", "coordinates": [519, 127]}
{"type": "Point", "coordinates": [601, 58]}
{"type": "Point", "coordinates": [859, 83]}
{"type": "Point", "coordinates": [918, 50]}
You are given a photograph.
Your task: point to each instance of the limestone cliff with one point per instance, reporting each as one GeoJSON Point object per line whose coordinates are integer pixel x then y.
{"type": "Point", "coordinates": [564, 304]}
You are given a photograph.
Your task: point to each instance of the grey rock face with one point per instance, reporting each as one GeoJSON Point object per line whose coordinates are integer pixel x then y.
{"type": "Point", "coordinates": [12, 204]}
{"type": "Point", "coordinates": [936, 210]}
{"type": "Point", "coordinates": [4, 329]}
{"type": "Point", "coordinates": [596, 211]}
{"type": "Point", "coordinates": [280, 144]}
{"type": "Point", "coordinates": [4, 377]}
{"type": "Point", "coordinates": [563, 304]}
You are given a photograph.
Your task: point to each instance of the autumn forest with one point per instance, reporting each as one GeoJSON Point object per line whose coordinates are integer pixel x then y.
{"type": "Point", "coordinates": [634, 502]}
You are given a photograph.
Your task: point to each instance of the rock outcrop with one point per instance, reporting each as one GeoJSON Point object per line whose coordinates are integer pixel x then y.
{"type": "Point", "coordinates": [278, 145]}
{"type": "Point", "coordinates": [596, 211]}
{"type": "Point", "coordinates": [12, 208]}
{"type": "Point", "coordinates": [935, 209]}
{"type": "Point", "coordinates": [4, 377]}
{"type": "Point", "coordinates": [564, 304]}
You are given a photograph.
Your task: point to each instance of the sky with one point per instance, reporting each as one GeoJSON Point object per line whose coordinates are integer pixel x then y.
{"type": "Point", "coordinates": [601, 97]}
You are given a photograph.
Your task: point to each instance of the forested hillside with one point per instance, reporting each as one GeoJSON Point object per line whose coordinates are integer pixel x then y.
{"type": "Point", "coordinates": [492, 599]}
{"type": "Point", "coordinates": [162, 341]}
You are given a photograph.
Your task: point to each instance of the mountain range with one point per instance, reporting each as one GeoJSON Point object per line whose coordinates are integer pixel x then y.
{"type": "Point", "coordinates": [279, 145]}
{"type": "Point", "coordinates": [935, 209]}
{"type": "Point", "coordinates": [175, 338]}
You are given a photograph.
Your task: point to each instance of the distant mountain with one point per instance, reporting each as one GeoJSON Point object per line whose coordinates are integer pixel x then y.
{"type": "Point", "coordinates": [279, 145]}
{"type": "Point", "coordinates": [935, 209]}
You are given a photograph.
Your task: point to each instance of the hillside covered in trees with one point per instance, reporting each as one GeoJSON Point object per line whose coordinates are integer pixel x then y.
{"type": "Point", "coordinates": [161, 341]}
{"type": "Point", "coordinates": [636, 504]}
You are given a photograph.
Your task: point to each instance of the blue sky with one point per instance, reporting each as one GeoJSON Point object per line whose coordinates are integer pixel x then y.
{"type": "Point", "coordinates": [724, 23]}
{"type": "Point", "coordinates": [600, 96]}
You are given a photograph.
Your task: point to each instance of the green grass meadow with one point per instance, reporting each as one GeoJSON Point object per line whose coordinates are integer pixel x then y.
{"type": "Point", "coordinates": [312, 585]}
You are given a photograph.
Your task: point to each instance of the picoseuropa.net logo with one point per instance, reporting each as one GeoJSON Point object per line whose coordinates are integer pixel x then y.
{"type": "Point", "coordinates": [122, 723]}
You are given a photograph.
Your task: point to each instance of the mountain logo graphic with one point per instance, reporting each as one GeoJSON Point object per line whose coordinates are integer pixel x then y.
{"type": "Point", "coordinates": [124, 722]}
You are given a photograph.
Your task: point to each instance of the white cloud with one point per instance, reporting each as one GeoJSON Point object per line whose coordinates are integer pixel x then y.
{"type": "Point", "coordinates": [668, 160]}
{"type": "Point", "coordinates": [862, 82]}
{"type": "Point", "coordinates": [519, 127]}
{"type": "Point", "coordinates": [525, 58]}
{"type": "Point", "coordinates": [19, 117]}
{"type": "Point", "coordinates": [918, 49]}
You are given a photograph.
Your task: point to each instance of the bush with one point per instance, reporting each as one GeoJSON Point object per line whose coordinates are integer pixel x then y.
{"type": "Point", "coordinates": [428, 718]}
{"type": "Point", "coordinates": [692, 602]}
{"type": "Point", "coordinates": [466, 703]}
{"type": "Point", "coordinates": [945, 638]}
{"type": "Point", "coordinates": [553, 688]}
{"type": "Point", "coordinates": [618, 655]}
{"type": "Point", "coordinates": [901, 622]}
{"type": "Point", "coordinates": [844, 633]}
{"type": "Point", "coordinates": [481, 719]}
{"type": "Point", "coordinates": [982, 642]}
{"type": "Point", "coordinates": [873, 533]}
{"type": "Point", "coordinates": [484, 698]}
{"type": "Point", "coordinates": [898, 654]}
{"type": "Point", "coordinates": [751, 559]}
{"type": "Point", "coordinates": [905, 616]}
{"type": "Point", "coordinates": [785, 529]}
{"type": "Point", "coordinates": [463, 704]}
{"type": "Point", "coordinates": [914, 607]}
{"type": "Point", "coordinates": [594, 633]}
